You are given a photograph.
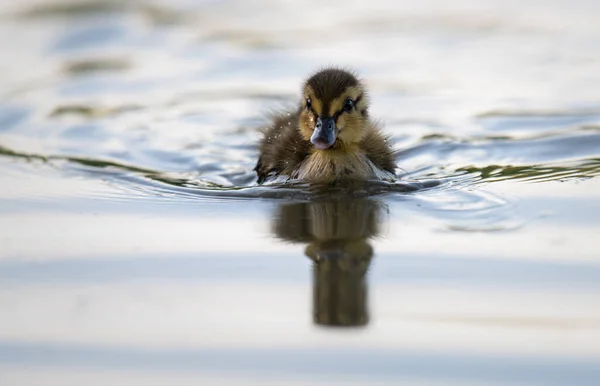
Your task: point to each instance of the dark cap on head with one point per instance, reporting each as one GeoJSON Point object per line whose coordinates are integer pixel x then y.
{"type": "Point", "coordinates": [329, 83]}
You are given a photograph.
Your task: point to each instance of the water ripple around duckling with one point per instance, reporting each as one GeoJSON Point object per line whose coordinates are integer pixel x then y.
{"type": "Point", "coordinates": [145, 163]}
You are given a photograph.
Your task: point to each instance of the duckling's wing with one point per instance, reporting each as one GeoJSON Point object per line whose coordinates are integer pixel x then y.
{"type": "Point", "coordinates": [282, 148]}
{"type": "Point", "coordinates": [377, 149]}
{"type": "Point", "coordinates": [260, 171]}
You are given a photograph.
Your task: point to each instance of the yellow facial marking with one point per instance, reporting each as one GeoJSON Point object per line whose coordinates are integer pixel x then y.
{"type": "Point", "coordinates": [350, 125]}
{"type": "Point", "coordinates": [316, 104]}
{"type": "Point", "coordinates": [338, 103]}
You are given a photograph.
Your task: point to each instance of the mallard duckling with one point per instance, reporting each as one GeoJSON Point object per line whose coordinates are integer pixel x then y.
{"type": "Point", "coordinates": [330, 138]}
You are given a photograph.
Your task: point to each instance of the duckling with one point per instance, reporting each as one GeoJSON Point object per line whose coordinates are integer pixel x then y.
{"type": "Point", "coordinates": [329, 138]}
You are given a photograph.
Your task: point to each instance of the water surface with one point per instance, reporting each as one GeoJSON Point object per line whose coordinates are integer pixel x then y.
{"type": "Point", "coordinates": [136, 247]}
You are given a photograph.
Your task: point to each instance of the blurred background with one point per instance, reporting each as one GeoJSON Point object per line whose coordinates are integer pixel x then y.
{"type": "Point", "coordinates": [136, 248]}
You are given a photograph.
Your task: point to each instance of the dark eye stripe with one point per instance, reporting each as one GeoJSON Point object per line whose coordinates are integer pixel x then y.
{"type": "Point", "coordinates": [337, 114]}
{"type": "Point", "coordinates": [358, 98]}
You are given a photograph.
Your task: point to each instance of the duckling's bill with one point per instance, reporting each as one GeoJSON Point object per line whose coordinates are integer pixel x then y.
{"type": "Point", "coordinates": [325, 133]}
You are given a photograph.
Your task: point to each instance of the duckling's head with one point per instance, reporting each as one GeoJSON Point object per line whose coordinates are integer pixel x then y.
{"type": "Point", "coordinates": [334, 109]}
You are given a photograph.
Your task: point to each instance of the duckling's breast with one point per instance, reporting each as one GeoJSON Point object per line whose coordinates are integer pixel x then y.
{"type": "Point", "coordinates": [328, 166]}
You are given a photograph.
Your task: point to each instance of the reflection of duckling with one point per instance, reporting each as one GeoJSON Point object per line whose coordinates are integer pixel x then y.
{"type": "Point", "coordinates": [330, 137]}
{"type": "Point", "coordinates": [340, 288]}
{"type": "Point", "coordinates": [336, 234]}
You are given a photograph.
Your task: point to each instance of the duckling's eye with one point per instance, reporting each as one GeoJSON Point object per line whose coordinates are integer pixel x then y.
{"type": "Point", "coordinates": [348, 105]}
{"type": "Point", "coordinates": [308, 103]}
